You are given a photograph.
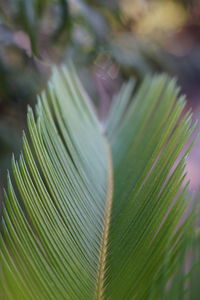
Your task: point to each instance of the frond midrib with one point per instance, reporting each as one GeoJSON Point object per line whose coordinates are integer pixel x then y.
{"type": "Point", "coordinates": [106, 227]}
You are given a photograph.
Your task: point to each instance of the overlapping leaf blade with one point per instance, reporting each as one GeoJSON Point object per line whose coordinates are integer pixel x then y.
{"type": "Point", "coordinates": [149, 198]}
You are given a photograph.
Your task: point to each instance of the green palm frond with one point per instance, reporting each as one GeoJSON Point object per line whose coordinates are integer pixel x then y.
{"type": "Point", "coordinates": [92, 213]}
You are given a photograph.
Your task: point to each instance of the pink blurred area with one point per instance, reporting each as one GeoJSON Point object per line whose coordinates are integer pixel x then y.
{"type": "Point", "coordinates": [193, 161]}
{"type": "Point", "coordinates": [193, 169]}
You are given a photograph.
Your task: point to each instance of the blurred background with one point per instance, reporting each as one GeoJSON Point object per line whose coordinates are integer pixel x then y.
{"type": "Point", "coordinates": [109, 41]}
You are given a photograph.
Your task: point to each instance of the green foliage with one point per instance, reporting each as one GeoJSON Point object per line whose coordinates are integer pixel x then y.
{"type": "Point", "coordinates": [95, 213]}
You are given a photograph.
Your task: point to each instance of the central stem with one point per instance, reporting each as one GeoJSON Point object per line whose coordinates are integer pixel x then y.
{"type": "Point", "coordinates": [106, 227]}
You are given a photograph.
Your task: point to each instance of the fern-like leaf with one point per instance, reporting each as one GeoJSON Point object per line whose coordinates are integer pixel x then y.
{"type": "Point", "coordinates": [91, 214]}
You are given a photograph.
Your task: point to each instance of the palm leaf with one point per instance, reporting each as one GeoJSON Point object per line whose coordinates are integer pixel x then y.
{"type": "Point", "coordinates": [91, 213]}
